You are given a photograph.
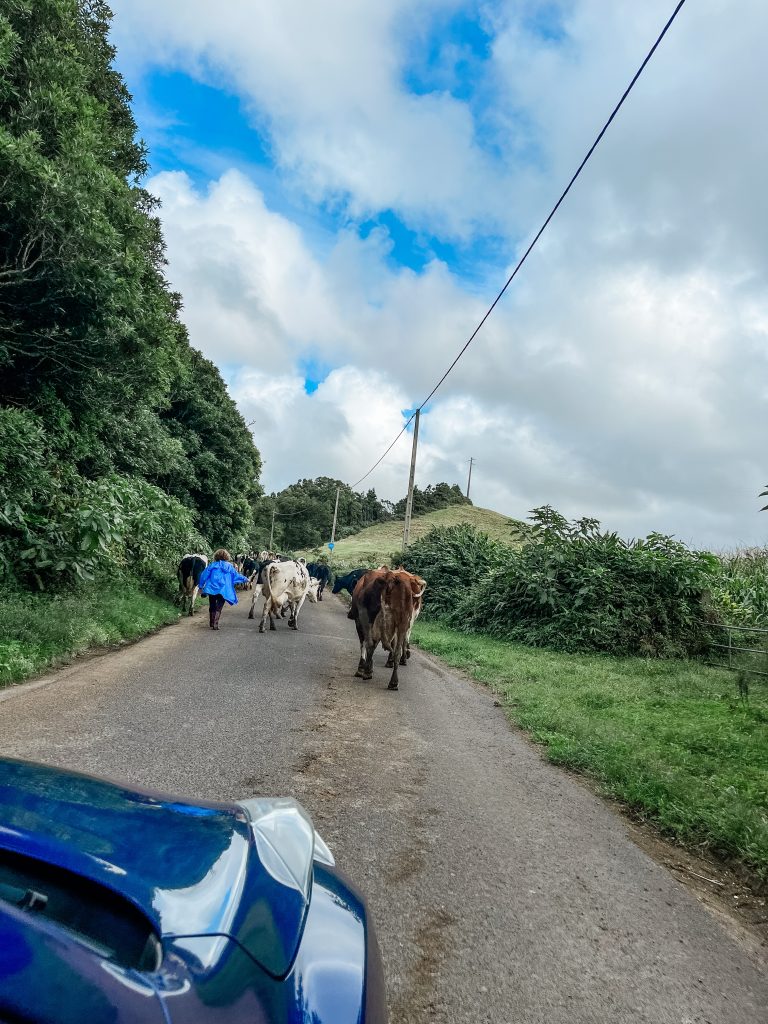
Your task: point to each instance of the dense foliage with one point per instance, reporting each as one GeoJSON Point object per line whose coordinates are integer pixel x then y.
{"type": "Point", "coordinates": [118, 442]}
{"type": "Point", "coordinates": [740, 588]}
{"type": "Point", "coordinates": [432, 498]}
{"type": "Point", "coordinates": [304, 511]}
{"type": "Point", "coordinates": [452, 559]}
{"type": "Point", "coordinates": [573, 587]}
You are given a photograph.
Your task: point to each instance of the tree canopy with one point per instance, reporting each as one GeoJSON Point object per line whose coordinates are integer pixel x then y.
{"type": "Point", "coordinates": [98, 381]}
{"type": "Point", "coordinates": [304, 511]}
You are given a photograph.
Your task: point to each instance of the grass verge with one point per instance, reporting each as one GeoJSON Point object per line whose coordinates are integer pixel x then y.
{"type": "Point", "coordinates": [670, 739]}
{"type": "Point", "coordinates": [40, 631]}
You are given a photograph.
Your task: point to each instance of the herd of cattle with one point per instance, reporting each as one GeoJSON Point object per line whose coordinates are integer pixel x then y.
{"type": "Point", "coordinates": [385, 602]}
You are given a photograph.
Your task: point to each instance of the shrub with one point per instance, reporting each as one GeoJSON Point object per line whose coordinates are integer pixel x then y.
{"type": "Point", "coordinates": [739, 587]}
{"type": "Point", "coordinates": [451, 559]}
{"type": "Point", "coordinates": [575, 588]}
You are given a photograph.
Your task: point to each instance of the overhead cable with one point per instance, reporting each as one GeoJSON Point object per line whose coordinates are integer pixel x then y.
{"type": "Point", "coordinates": [538, 234]}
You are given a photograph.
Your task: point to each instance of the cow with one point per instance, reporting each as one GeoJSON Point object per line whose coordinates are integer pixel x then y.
{"type": "Point", "coordinates": [418, 586]}
{"type": "Point", "coordinates": [383, 612]}
{"type": "Point", "coordinates": [281, 582]}
{"type": "Point", "coordinates": [322, 573]}
{"type": "Point", "coordinates": [348, 582]}
{"type": "Point", "coordinates": [188, 575]}
{"type": "Point", "coordinates": [248, 568]}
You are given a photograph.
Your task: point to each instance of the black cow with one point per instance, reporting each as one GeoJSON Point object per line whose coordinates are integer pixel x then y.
{"type": "Point", "coordinates": [188, 574]}
{"type": "Point", "coordinates": [320, 571]}
{"type": "Point", "coordinates": [348, 582]}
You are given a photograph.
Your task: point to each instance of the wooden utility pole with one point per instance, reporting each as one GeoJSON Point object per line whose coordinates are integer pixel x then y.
{"type": "Point", "coordinates": [335, 516]}
{"type": "Point", "coordinates": [469, 478]}
{"type": "Point", "coordinates": [409, 499]}
{"type": "Point", "coordinates": [272, 530]}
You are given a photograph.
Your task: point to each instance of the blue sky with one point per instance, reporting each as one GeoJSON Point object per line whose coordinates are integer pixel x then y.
{"type": "Point", "coordinates": [345, 187]}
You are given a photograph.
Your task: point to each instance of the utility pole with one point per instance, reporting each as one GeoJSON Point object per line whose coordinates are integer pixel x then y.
{"type": "Point", "coordinates": [272, 530]}
{"type": "Point", "coordinates": [469, 478]}
{"type": "Point", "coordinates": [409, 499]}
{"type": "Point", "coordinates": [335, 517]}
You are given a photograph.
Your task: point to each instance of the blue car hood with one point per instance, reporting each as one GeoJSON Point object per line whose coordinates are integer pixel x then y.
{"type": "Point", "coordinates": [192, 868]}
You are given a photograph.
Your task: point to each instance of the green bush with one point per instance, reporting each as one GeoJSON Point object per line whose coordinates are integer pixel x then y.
{"type": "Point", "coordinates": [60, 529]}
{"type": "Point", "coordinates": [575, 588]}
{"type": "Point", "coordinates": [739, 587]}
{"type": "Point", "coordinates": [452, 559]}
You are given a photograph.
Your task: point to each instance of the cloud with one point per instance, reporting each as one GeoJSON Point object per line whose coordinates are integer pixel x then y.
{"type": "Point", "coordinates": [326, 82]}
{"type": "Point", "coordinates": [624, 373]}
{"type": "Point", "coordinates": [624, 397]}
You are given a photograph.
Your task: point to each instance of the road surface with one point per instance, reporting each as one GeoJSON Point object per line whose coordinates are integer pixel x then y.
{"type": "Point", "coordinates": [503, 890]}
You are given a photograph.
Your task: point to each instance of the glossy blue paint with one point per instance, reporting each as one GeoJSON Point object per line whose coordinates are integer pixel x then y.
{"type": "Point", "coordinates": [233, 937]}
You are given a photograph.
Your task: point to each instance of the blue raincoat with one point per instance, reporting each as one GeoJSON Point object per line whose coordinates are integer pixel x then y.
{"type": "Point", "coordinates": [220, 578]}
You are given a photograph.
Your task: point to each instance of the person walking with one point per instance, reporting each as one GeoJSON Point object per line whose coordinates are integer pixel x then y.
{"type": "Point", "coordinates": [218, 581]}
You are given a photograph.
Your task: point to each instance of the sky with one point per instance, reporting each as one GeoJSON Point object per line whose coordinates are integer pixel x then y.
{"type": "Point", "coordinates": [346, 186]}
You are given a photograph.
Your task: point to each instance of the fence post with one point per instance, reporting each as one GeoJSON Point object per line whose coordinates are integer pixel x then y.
{"type": "Point", "coordinates": [730, 645]}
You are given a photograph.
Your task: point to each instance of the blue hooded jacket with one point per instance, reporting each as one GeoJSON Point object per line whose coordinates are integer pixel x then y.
{"type": "Point", "coordinates": [220, 578]}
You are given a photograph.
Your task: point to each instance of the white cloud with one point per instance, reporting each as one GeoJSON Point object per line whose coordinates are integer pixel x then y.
{"type": "Point", "coordinates": [326, 81]}
{"type": "Point", "coordinates": [623, 375]}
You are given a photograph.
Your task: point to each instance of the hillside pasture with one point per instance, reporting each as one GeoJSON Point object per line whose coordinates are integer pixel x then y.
{"type": "Point", "coordinates": [376, 544]}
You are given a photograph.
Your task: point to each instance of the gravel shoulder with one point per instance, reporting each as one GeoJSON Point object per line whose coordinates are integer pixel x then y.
{"type": "Point", "coordinates": [503, 889]}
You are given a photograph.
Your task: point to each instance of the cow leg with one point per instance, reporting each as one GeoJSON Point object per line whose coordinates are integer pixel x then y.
{"type": "Point", "coordinates": [192, 600]}
{"type": "Point", "coordinates": [370, 647]}
{"type": "Point", "coordinates": [266, 611]}
{"type": "Point", "coordinates": [251, 614]}
{"type": "Point", "coordinates": [295, 609]}
{"type": "Point", "coordinates": [396, 649]}
{"type": "Point", "coordinates": [361, 638]}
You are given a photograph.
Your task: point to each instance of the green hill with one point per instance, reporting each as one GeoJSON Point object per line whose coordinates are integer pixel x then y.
{"type": "Point", "coordinates": [376, 543]}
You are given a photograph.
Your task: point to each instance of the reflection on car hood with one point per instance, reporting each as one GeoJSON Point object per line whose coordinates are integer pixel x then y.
{"type": "Point", "coordinates": [192, 868]}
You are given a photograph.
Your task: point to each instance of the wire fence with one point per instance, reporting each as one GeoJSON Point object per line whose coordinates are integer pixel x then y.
{"type": "Point", "coordinates": [739, 648]}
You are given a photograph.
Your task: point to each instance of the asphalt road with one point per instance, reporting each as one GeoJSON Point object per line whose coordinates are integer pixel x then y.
{"type": "Point", "coordinates": [503, 890]}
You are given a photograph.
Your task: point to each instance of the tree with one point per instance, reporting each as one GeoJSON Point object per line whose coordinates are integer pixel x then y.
{"type": "Point", "coordinates": [95, 365]}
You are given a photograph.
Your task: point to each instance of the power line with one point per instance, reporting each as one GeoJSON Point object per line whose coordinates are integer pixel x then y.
{"type": "Point", "coordinates": [386, 453]}
{"type": "Point", "coordinates": [538, 234]}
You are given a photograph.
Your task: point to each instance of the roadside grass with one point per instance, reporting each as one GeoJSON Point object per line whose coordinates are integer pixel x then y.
{"type": "Point", "coordinates": [670, 739]}
{"type": "Point", "coordinates": [40, 631]}
{"type": "Point", "coordinates": [375, 544]}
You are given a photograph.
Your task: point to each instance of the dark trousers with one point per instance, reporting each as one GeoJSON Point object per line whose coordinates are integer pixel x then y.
{"type": "Point", "coordinates": [215, 604]}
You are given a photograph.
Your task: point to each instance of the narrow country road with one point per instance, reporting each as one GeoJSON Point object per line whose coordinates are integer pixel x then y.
{"type": "Point", "coordinates": [503, 890]}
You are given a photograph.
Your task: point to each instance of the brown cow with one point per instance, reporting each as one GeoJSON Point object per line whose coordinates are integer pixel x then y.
{"type": "Point", "coordinates": [383, 608]}
{"type": "Point", "coordinates": [418, 586]}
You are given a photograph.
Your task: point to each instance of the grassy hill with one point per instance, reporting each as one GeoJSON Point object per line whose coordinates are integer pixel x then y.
{"type": "Point", "coordinates": [376, 543]}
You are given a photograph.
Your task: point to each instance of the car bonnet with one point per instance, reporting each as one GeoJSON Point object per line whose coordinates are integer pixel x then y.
{"type": "Point", "coordinates": [192, 868]}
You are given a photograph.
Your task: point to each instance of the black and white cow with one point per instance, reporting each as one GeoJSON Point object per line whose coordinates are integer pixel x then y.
{"type": "Point", "coordinates": [188, 575]}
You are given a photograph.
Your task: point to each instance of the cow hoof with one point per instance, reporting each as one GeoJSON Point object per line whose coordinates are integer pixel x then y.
{"type": "Point", "coordinates": [273, 627]}
{"type": "Point", "coordinates": [261, 629]}
{"type": "Point", "coordinates": [392, 686]}
{"type": "Point", "coordinates": [367, 675]}
{"type": "Point", "coordinates": [389, 663]}
{"type": "Point", "coordinates": [359, 674]}
{"type": "Point", "coordinates": [250, 615]}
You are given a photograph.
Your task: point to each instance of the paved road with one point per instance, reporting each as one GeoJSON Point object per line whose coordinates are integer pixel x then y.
{"type": "Point", "coordinates": [503, 890]}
